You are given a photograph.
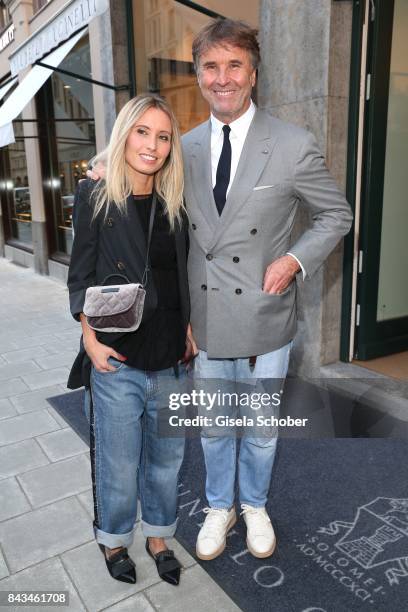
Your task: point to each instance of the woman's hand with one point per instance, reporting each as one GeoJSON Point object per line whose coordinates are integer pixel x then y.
{"type": "Point", "coordinates": [97, 352]}
{"type": "Point", "coordinates": [191, 347]}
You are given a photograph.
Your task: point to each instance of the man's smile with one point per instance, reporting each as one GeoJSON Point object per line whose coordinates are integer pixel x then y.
{"type": "Point", "coordinates": [224, 93]}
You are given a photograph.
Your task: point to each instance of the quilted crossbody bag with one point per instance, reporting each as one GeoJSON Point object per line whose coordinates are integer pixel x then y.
{"type": "Point", "coordinates": [119, 308]}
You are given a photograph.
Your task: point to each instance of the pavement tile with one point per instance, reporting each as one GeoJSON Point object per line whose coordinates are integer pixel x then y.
{"type": "Point", "coordinates": [3, 568]}
{"type": "Point", "coordinates": [13, 500]}
{"type": "Point", "coordinates": [64, 325]}
{"type": "Point", "coordinates": [12, 387]}
{"type": "Point", "coordinates": [53, 361]}
{"type": "Point", "coordinates": [35, 400]}
{"type": "Point", "coordinates": [56, 480]}
{"type": "Point", "coordinates": [6, 409]}
{"type": "Point", "coordinates": [61, 444]}
{"type": "Point", "coordinates": [20, 457]}
{"type": "Point", "coordinates": [60, 346]}
{"type": "Point", "coordinates": [86, 500]}
{"type": "Point", "coordinates": [26, 354]}
{"type": "Point", "coordinates": [196, 591]}
{"type": "Point", "coordinates": [46, 576]}
{"type": "Point", "coordinates": [136, 603]}
{"type": "Point", "coordinates": [87, 569]}
{"type": "Point", "coordinates": [47, 378]}
{"type": "Point", "coordinates": [26, 426]}
{"type": "Point", "coordinates": [14, 370]}
{"type": "Point", "coordinates": [44, 533]}
{"type": "Point", "coordinates": [7, 344]}
{"type": "Point", "coordinates": [24, 341]}
{"type": "Point", "coordinates": [73, 334]}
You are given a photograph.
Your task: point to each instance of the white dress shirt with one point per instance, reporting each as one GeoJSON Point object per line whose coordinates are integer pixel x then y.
{"type": "Point", "coordinates": [238, 134]}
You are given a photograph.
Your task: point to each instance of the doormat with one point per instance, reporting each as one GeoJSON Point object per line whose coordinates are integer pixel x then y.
{"type": "Point", "coordinates": [340, 511]}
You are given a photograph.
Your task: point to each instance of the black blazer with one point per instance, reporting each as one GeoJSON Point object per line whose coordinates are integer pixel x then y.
{"type": "Point", "coordinates": [106, 246]}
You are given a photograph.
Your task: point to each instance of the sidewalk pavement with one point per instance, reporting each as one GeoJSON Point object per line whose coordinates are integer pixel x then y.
{"type": "Point", "coordinates": [46, 508]}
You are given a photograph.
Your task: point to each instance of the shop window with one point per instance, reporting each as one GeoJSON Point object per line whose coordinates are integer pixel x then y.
{"type": "Point", "coordinates": [67, 144]}
{"type": "Point", "coordinates": [164, 31]}
{"type": "Point", "coordinates": [14, 190]}
{"type": "Point", "coordinates": [5, 17]}
{"type": "Point", "coordinates": [38, 4]}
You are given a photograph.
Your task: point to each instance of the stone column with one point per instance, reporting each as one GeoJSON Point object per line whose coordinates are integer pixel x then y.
{"type": "Point", "coordinates": [304, 79]}
{"type": "Point", "coordinates": [109, 59]}
{"type": "Point", "coordinates": [21, 12]}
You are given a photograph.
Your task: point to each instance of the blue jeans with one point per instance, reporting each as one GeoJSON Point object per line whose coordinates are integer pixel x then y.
{"type": "Point", "coordinates": [257, 454]}
{"type": "Point", "coordinates": [129, 458]}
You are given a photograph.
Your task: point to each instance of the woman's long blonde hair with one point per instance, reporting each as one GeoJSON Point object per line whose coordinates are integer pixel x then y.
{"type": "Point", "coordinates": [117, 187]}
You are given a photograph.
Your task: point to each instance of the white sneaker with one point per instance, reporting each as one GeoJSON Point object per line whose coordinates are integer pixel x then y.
{"type": "Point", "coordinates": [212, 538]}
{"type": "Point", "coordinates": [261, 540]}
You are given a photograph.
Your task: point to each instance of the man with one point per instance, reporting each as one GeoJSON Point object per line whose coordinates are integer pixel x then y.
{"type": "Point", "coordinates": [245, 173]}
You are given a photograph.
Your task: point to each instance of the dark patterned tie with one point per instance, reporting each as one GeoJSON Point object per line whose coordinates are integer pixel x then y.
{"type": "Point", "coordinates": [223, 171]}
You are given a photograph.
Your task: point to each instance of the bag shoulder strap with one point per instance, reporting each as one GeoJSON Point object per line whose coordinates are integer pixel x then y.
{"type": "Point", "coordinates": [149, 238]}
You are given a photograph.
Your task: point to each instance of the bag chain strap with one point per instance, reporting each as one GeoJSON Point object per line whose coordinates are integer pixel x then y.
{"type": "Point", "coordinates": [149, 237]}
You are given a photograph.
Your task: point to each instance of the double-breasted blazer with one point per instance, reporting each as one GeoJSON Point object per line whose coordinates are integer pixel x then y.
{"type": "Point", "coordinates": [280, 166]}
{"type": "Point", "coordinates": [111, 245]}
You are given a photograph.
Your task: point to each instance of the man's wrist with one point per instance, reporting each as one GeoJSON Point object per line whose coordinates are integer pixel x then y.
{"type": "Point", "coordinates": [293, 263]}
{"type": "Point", "coordinates": [300, 266]}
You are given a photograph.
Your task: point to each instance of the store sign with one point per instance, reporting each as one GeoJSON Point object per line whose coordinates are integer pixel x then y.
{"type": "Point", "coordinates": [70, 19]}
{"type": "Point", "coordinates": [7, 37]}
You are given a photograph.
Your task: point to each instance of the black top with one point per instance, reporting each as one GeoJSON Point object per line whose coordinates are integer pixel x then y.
{"type": "Point", "coordinates": [111, 244]}
{"type": "Point", "coordinates": [160, 341]}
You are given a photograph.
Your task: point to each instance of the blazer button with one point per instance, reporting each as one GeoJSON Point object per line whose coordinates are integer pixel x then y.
{"type": "Point", "coordinates": [209, 257]}
{"type": "Point", "coordinates": [254, 231]}
{"type": "Point", "coordinates": [120, 265]}
{"type": "Point", "coordinates": [204, 287]}
{"type": "Point", "coordinates": [109, 222]}
{"type": "Point", "coordinates": [193, 225]}
{"type": "Point", "coordinates": [238, 291]}
{"type": "Point", "coordinates": [235, 259]}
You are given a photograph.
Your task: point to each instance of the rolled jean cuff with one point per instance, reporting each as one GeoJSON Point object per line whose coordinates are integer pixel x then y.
{"type": "Point", "coordinates": [217, 506]}
{"type": "Point", "coordinates": [254, 505]}
{"type": "Point", "coordinates": [159, 531]}
{"type": "Point", "coordinates": [113, 540]}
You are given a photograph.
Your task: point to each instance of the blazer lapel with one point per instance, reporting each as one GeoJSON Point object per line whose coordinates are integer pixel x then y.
{"type": "Point", "coordinates": [202, 176]}
{"type": "Point", "coordinates": [256, 151]}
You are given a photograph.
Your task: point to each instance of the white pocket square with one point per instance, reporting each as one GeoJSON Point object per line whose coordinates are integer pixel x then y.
{"type": "Point", "coordinates": [259, 187]}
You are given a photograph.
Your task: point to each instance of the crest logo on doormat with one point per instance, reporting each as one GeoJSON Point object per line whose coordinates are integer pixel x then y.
{"type": "Point", "coordinates": [377, 536]}
{"type": "Point", "coordinates": [371, 548]}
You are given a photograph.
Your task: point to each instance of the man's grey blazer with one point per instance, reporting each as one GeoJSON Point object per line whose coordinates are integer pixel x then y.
{"type": "Point", "coordinates": [280, 167]}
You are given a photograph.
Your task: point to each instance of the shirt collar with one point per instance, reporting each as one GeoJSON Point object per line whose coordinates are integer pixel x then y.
{"type": "Point", "coordinates": [239, 127]}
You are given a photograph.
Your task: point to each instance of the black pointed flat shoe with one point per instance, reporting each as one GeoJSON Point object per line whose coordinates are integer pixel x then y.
{"type": "Point", "coordinates": [120, 565]}
{"type": "Point", "coordinates": [167, 565]}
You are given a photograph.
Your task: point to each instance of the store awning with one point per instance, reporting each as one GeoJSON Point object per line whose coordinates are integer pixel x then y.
{"type": "Point", "coordinates": [7, 87]}
{"type": "Point", "coordinates": [28, 87]}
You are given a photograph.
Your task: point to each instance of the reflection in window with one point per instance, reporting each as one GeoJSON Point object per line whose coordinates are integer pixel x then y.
{"type": "Point", "coordinates": [14, 191]}
{"type": "Point", "coordinates": [5, 17]}
{"type": "Point", "coordinates": [38, 4]}
{"type": "Point", "coordinates": [75, 137]}
{"type": "Point", "coordinates": [164, 31]}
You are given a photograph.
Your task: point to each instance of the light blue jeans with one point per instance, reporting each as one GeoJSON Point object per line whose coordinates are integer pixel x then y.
{"type": "Point", "coordinates": [130, 459]}
{"type": "Point", "coordinates": [257, 454]}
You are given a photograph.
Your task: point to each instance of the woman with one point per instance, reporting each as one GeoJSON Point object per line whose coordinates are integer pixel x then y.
{"type": "Point", "coordinates": [127, 374]}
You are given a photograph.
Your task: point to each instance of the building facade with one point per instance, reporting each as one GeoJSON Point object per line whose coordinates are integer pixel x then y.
{"type": "Point", "coordinates": [336, 67]}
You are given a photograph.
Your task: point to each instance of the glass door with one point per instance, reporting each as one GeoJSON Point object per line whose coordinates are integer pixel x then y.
{"type": "Point", "coordinates": [382, 311]}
